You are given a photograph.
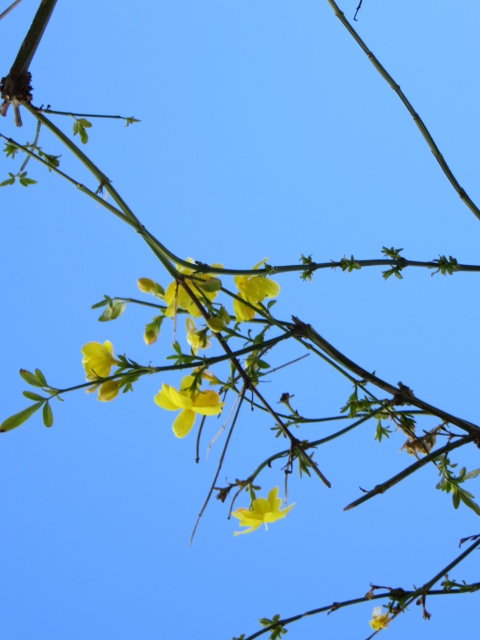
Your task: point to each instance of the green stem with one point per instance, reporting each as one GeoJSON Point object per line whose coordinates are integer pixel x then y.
{"type": "Point", "coordinates": [33, 146]}
{"type": "Point", "coordinates": [431, 457]}
{"type": "Point", "coordinates": [81, 115]}
{"type": "Point", "coordinates": [416, 118]}
{"type": "Point", "coordinates": [77, 184]}
{"type": "Point", "coordinates": [401, 394]}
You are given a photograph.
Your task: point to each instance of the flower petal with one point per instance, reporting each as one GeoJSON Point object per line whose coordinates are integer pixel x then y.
{"type": "Point", "coordinates": [183, 423]}
{"type": "Point", "coordinates": [273, 516]}
{"type": "Point", "coordinates": [162, 399]}
{"type": "Point", "coordinates": [242, 312]}
{"type": "Point", "coordinates": [207, 403]}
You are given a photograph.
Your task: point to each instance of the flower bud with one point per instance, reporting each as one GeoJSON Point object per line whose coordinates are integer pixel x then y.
{"type": "Point", "coordinates": [150, 336]}
{"type": "Point", "coordinates": [108, 391]}
{"type": "Point", "coordinates": [145, 284]}
{"type": "Point", "coordinates": [215, 324]}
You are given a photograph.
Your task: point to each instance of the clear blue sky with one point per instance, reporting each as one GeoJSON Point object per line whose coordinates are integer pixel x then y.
{"type": "Point", "coordinates": [264, 132]}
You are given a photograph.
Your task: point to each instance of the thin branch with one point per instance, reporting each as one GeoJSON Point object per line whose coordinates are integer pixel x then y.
{"type": "Point", "coordinates": [401, 394]}
{"type": "Point", "coordinates": [220, 463]}
{"type": "Point", "coordinates": [82, 115]}
{"type": "Point", "coordinates": [416, 118]}
{"type": "Point", "coordinates": [7, 11]}
{"type": "Point", "coordinates": [388, 484]}
{"type": "Point", "coordinates": [407, 597]}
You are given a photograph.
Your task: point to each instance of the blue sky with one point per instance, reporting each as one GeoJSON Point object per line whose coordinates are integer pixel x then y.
{"type": "Point", "coordinates": [264, 132]}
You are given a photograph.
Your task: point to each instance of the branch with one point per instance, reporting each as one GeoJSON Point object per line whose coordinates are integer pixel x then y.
{"type": "Point", "coordinates": [416, 118]}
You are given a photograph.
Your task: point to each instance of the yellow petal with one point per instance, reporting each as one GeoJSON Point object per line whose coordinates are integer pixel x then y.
{"type": "Point", "coordinates": [183, 423]}
{"type": "Point", "coordinates": [162, 399]}
{"type": "Point", "coordinates": [273, 500]}
{"type": "Point", "coordinates": [207, 403]}
{"type": "Point", "coordinates": [269, 288]}
{"type": "Point", "coordinates": [251, 290]}
{"type": "Point", "coordinates": [242, 312]}
{"type": "Point", "coordinates": [273, 516]}
{"type": "Point", "coordinates": [260, 264]}
{"type": "Point", "coordinates": [180, 400]}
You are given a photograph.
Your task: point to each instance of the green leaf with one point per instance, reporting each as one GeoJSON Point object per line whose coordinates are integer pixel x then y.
{"type": "Point", "coordinates": [472, 474]}
{"type": "Point", "coordinates": [31, 378]}
{"type": "Point", "coordinates": [468, 502]}
{"type": "Point", "coordinates": [47, 415]}
{"type": "Point", "coordinates": [391, 253]}
{"type": "Point", "coordinates": [455, 499]}
{"type": "Point", "coordinates": [113, 311]}
{"type": "Point", "coordinates": [101, 304]}
{"type": "Point", "coordinates": [129, 121]}
{"type": "Point", "coordinates": [24, 181]}
{"type": "Point", "coordinates": [41, 378]}
{"type": "Point", "coordinates": [10, 180]}
{"type": "Point", "coordinates": [10, 150]}
{"type": "Point", "coordinates": [79, 127]}
{"type": "Point", "coordinates": [34, 396]}
{"type": "Point", "coordinates": [210, 285]}
{"type": "Point", "coordinates": [19, 418]}
{"type": "Point", "coordinates": [52, 160]}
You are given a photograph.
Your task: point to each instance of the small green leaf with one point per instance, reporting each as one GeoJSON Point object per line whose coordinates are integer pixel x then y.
{"type": "Point", "coordinates": [24, 181]}
{"type": "Point", "coordinates": [10, 180]}
{"type": "Point", "coordinates": [129, 121]}
{"type": "Point", "coordinates": [101, 304]}
{"type": "Point", "coordinates": [472, 474]}
{"type": "Point", "coordinates": [391, 253]}
{"type": "Point", "coordinates": [30, 378]}
{"type": "Point", "coordinates": [47, 415]}
{"type": "Point", "coordinates": [41, 378]}
{"type": "Point", "coordinates": [10, 150]}
{"type": "Point", "coordinates": [34, 396]}
{"type": "Point", "coordinates": [113, 311]}
{"type": "Point", "coordinates": [19, 418]}
{"type": "Point", "coordinates": [468, 502]}
{"type": "Point", "coordinates": [455, 499]}
{"type": "Point", "coordinates": [79, 127]}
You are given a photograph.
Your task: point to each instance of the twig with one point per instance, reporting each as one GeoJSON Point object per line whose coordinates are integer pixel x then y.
{"type": "Point", "coordinates": [416, 118]}
{"type": "Point", "coordinates": [220, 462]}
{"type": "Point", "coordinates": [12, 6]}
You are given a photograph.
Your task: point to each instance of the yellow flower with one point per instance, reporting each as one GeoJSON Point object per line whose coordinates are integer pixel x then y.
{"type": "Point", "coordinates": [261, 511]}
{"type": "Point", "coordinates": [196, 339]}
{"type": "Point", "coordinates": [177, 298]}
{"type": "Point", "coordinates": [379, 620]}
{"type": "Point", "coordinates": [253, 289]}
{"type": "Point", "coordinates": [98, 359]}
{"type": "Point", "coordinates": [206, 403]}
{"type": "Point", "coordinates": [108, 390]}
